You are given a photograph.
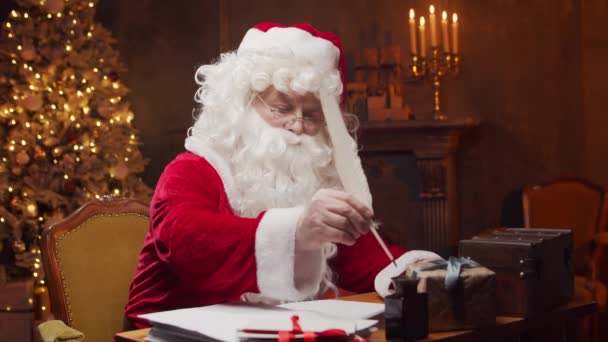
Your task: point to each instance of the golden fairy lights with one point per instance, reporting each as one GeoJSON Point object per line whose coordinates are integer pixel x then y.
{"type": "Point", "coordinates": [61, 118]}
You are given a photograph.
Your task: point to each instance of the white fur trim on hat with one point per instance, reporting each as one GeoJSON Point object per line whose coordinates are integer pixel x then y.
{"type": "Point", "coordinates": [305, 47]}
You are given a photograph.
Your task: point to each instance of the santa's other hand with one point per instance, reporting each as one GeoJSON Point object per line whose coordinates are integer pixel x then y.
{"type": "Point", "coordinates": [382, 283]}
{"type": "Point", "coordinates": [332, 216]}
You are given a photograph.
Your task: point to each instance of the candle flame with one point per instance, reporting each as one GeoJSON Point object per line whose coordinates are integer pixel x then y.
{"type": "Point", "coordinates": [444, 16]}
{"type": "Point", "coordinates": [454, 17]}
{"type": "Point", "coordinates": [421, 21]}
{"type": "Point", "coordinates": [412, 14]}
{"type": "Point", "coordinates": [432, 9]}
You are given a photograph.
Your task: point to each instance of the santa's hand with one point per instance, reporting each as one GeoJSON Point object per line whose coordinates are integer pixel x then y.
{"type": "Point", "coordinates": [332, 216]}
{"type": "Point", "coordinates": [382, 283]}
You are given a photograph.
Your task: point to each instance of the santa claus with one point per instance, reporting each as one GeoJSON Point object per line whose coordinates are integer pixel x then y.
{"type": "Point", "coordinates": [257, 208]}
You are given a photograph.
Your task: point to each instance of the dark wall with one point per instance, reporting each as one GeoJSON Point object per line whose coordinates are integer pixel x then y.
{"type": "Point", "coordinates": [595, 88]}
{"type": "Point", "coordinates": [532, 73]}
{"type": "Point", "coordinates": [162, 43]}
{"type": "Point", "coordinates": [522, 78]}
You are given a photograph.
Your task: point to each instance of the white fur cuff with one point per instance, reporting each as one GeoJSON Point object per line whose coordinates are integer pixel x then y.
{"type": "Point", "coordinates": [382, 282]}
{"type": "Point", "coordinates": [275, 255]}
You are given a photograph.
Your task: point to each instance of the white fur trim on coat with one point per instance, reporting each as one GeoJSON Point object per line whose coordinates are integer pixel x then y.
{"type": "Point", "coordinates": [201, 149]}
{"type": "Point", "coordinates": [382, 282]}
{"type": "Point", "coordinates": [276, 258]}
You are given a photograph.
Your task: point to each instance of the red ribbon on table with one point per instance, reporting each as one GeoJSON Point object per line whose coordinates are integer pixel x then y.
{"type": "Point", "coordinates": [309, 336]}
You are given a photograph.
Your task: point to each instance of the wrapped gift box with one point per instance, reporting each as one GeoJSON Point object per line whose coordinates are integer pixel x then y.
{"type": "Point", "coordinates": [461, 293]}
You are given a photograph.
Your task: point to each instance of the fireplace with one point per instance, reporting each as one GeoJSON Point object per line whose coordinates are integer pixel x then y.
{"type": "Point", "coordinates": [411, 168]}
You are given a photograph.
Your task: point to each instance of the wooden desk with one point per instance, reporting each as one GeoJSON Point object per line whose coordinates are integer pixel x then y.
{"type": "Point", "coordinates": [505, 326]}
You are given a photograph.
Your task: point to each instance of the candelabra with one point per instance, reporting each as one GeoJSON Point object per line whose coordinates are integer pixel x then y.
{"type": "Point", "coordinates": [435, 67]}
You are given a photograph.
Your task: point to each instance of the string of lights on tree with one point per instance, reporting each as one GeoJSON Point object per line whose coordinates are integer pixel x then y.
{"type": "Point", "coordinates": [66, 129]}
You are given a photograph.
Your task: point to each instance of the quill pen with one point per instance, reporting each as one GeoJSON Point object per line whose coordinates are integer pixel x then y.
{"type": "Point", "coordinates": [348, 163]}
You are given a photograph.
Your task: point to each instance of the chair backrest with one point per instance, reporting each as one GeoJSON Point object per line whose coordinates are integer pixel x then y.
{"type": "Point", "coordinates": [90, 259]}
{"type": "Point", "coordinates": [566, 203]}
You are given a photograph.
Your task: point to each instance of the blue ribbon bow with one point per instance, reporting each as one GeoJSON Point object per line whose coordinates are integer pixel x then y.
{"type": "Point", "coordinates": [454, 265]}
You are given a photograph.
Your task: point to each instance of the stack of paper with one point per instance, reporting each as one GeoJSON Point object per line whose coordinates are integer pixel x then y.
{"type": "Point", "coordinates": [230, 322]}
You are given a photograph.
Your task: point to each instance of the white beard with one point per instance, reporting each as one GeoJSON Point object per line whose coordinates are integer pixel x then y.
{"type": "Point", "coordinates": [275, 168]}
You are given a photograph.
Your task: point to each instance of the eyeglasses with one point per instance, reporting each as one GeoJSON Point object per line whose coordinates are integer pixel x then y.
{"type": "Point", "coordinates": [311, 122]}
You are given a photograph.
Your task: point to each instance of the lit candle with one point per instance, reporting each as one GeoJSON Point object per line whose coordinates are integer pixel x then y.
{"type": "Point", "coordinates": [422, 38]}
{"type": "Point", "coordinates": [444, 30]}
{"type": "Point", "coordinates": [433, 24]}
{"type": "Point", "coordinates": [455, 33]}
{"type": "Point", "coordinates": [413, 45]}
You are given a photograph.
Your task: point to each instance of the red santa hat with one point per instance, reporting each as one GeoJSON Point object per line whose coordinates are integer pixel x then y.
{"type": "Point", "coordinates": [309, 45]}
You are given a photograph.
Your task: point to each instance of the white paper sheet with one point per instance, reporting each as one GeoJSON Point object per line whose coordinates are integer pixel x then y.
{"type": "Point", "coordinates": [221, 322]}
{"type": "Point", "coordinates": [339, 308]}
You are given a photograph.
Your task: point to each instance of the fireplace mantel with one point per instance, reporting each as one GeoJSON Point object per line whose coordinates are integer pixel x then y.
{"type": "Point", "coordinates": [433, 144]}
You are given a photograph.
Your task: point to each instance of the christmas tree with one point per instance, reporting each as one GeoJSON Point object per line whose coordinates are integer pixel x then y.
{"type": "Point", "coordinates": [66, 130]}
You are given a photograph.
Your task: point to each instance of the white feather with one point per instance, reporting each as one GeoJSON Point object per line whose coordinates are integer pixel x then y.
{"type": "Point", "coordinates": [346, 158]}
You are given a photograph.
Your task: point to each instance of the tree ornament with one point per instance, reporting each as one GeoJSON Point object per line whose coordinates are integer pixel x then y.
{"type": "Point", "coordinates": [51, 70]}
{"type": "Point", "coordinates": [71, 134]}
{"type": "Point", "coordinates": [50, 141]}
{"type": "Point", "coordinates": [15, 203]}
{"type": "Point", "coordinates": [54, 6]}
{"type": "Point", "coordinates": [28, 53]}
{"type": "Point", "coordinates": [69, 187]}
{"type": "Point", "coordinates": [22, 158]}
{"type": "Point", "coordinates": [113, 76]}
{"type": "Point", "coordinates": [19, 246]}
{"type": "Point", "coordinates": [39, 153]}
{"type": "Point", "coordinates": [33, 102]}
{"type": "Point", "coordinates": [120, 171]}
{"type": "Point", "coordinates": [16, 170]}
{"type": "Point", "coordinates": [106, 110]}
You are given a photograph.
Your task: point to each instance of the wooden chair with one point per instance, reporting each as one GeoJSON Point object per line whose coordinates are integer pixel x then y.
{"type": "Point", "coordinates": [90, 259]}
{"type": "Point", "coordinates": [582, 206]}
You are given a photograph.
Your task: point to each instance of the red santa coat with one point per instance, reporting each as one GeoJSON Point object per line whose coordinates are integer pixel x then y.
{"type": "Point", "coordinates": [198, 252]}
